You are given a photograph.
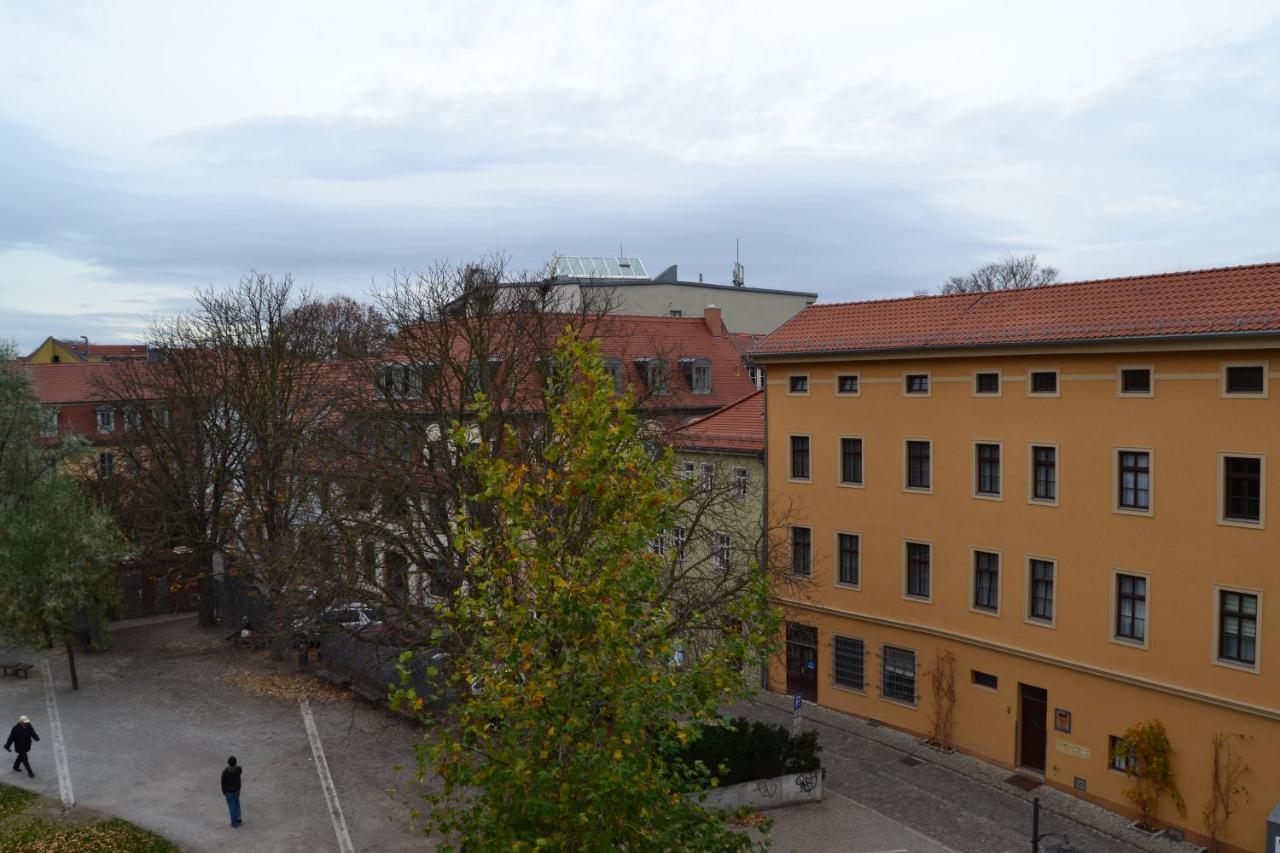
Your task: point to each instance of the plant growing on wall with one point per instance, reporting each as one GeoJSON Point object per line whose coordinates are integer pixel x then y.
{"type": "Point", "coordinates": [1226, 793]}
{"type": "Point", "coordinates": [943, 680]}
{"type": "Point", "coordinates": [1148, 757]}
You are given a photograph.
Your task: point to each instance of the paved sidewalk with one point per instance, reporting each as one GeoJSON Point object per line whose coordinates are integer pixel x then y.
{"type": "Point", "coordinates": [955, 800]}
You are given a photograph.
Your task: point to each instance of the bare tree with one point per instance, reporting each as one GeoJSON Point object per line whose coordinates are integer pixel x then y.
{"type": "Point", "coordinates": [1012, 272]}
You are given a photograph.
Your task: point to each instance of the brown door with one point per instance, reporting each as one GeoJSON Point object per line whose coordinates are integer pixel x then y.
{"type": "Point", "coordinates": [1033, 718]}
{"type": "Point", "coordinates": [802, 661]}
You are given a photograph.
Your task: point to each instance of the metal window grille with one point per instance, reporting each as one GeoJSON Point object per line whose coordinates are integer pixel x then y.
{"type": "Point", "coordinates": [917, 570]}
{"type": "Point", "coordinates": [1135, 479]}
{"type": "Point", "coordinates": [849, 662]}
{"type": "Point", "coordinates": [1046, 473]}
{"type": "Point", "coordinates": [851, 460]}
{"type": "Point", "coordinates": [898, 674]}
{"type": "Point", "coordinates": [917, 464]}
{"type": "Point", "coordinates": [1131, 607]}
{"type": "Point", "coordinates": [1238, 627]}
{"type": "Point", "coordinates": [1042, 590]}
{"type": "Point", "coordinates": [848, 548]}
{"type": "Point", "coordinates": [986, 580]}
{"type": "Point", "coordinates": [800, 457]}
{"type": "Point", "coordinates": [988, 469]}
{"type": "Point", "coordinates": [1242, 491]}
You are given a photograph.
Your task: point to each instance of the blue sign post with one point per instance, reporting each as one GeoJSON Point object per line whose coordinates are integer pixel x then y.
{"type": "Point", "coordinates": [799, 701]}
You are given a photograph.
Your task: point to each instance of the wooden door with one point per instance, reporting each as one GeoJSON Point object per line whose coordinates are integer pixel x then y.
{"type": "Point", "coordinates": [1033, 723]}
{"type": "Point", "coordinates": [802, 661]}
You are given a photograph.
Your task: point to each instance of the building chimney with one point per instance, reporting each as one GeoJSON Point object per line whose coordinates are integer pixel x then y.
{"type": "Point", "coordinates": [712, 315]}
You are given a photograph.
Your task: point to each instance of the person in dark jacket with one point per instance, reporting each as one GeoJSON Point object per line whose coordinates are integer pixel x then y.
{"type": "Point", "coordinates": [20, 738]}
{"type": "Point", "coordinates": [231, 789]}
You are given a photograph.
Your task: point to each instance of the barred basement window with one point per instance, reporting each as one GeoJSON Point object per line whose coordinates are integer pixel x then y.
{"type": "Point", "coordinates": [850, 655]}
{"type": "Point", "coordinates": [898, 674]}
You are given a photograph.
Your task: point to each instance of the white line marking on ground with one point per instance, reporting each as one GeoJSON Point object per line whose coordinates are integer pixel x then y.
{"type": "Point", "coordinates": [55, 733]}
{"type": "Point", "coordinates": [326, 780]}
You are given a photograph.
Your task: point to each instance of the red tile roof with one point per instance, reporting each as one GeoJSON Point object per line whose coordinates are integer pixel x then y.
{"type": "Point", "coordinates": [737, 427]}
{"type": "Point", "coordinates": [138, 351]}
{"type": "Point", "coordinates": [67, 383]}
{"type": "Point", "coordinates": [1227, 301]}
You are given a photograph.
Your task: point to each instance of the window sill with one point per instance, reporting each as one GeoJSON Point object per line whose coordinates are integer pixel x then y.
{"type": "Point", "coordinates": [1041, 623]}
{"type": "Point", "coordinates": [902, 702]}
{"type": "Point", "coordinates": [1141, 645]}
{"type": "Point", "coordinates": [1252, 669]}
{"type": "Point", "coordinates": [1140, 513]}
{"type": "Point", "coordinates": [854, 690]}
{"type": "Point", "coordinates": [845, 485]}
{"type": "Point", "coordinates": [980, 496]}
{"type": "Point", "coordinates": [856, 587]}
{"type": "Point", "coordinates": [804, 480]}
{"type": "Point", "coordinates": [1042, 502]}
{"type": "Point", "coordinates": [1241, 522]}
{"type": "Point", "coordinates": [982, 611]}
{"type": "Point", "coordinates": [918, 599]}
{"type": "Point", "coordinates": [916, 490]}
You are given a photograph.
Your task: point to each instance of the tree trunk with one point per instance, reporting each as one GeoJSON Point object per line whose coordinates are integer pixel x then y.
{"type": "Point", "coordinates": [71, 660]}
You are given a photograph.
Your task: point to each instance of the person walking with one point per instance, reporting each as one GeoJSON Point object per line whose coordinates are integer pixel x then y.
{"type": "Point", "coordinates": [20, 738]}
{"type": "Point", "coordinates": [231, 789]}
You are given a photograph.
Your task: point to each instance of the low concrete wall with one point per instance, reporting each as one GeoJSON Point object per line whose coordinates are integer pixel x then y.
{"type": "Point", "coordinates": [768, 793]}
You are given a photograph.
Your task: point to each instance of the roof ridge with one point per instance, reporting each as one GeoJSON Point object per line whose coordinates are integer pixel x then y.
{"type": "Point", "coordinates": [1055, 286]}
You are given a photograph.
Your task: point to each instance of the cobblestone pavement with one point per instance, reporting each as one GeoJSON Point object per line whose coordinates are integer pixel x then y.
{"type": "Point", "coordinates": [955, 800]}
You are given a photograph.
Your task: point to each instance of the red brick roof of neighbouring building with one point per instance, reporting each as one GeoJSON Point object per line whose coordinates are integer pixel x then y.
{"type": "Point", "coordinates": [68, 383]}
{"type": "Point", "coordinates": [737, 427]}
{"type": "Point", "coordinates": [1241, 300]}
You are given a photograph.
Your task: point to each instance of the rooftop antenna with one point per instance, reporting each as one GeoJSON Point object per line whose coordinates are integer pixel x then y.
{"type": "Point", "coordinates": [739, 274]}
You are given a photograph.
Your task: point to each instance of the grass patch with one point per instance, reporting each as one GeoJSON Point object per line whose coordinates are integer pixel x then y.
{"type": "Point", "coordinates": [31, 823]}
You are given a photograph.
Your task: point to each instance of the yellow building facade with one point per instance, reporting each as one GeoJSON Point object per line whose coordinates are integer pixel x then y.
{"type": "Point", "coordinates": [1081, 531]}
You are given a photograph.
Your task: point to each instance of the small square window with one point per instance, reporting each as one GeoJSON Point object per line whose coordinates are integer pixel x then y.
{"type": "Point", "coordinates": [847, 383]}
{"type": "Point", "coordinates": [1119, 755]}
{"type": "Point", "coordinates": [985, 679]}
{"type": "Point", "coordinates": [916, 383]}
{"type": "Point", "coordinates": [798, 384]}
{"type": "Point", "coordinates": [986, 383]}
{"type": "Point", "coordinates": [1245, 379]}
{"type": "Point", "coordinates": [1044, 382]}
{"type": "Point", "coordinates": [1135, 381]}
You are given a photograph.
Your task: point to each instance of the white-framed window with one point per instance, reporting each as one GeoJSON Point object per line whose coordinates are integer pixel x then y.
{"type": "Point", "coordinates": [1245, 379]}
{"type": "Point", "coordinates": [708, 478]}
{"type": "Point", "coordinates": [723, 551]}
{"type": "Point", "coordinates": [106, 419]}
{"type": "Point", "coordinates": [740, 481]}
{"type": "Point", "coordinates": [49, 421]}
{"type": "Point", "coordinates": [1242, 497]}
{"type": "Point", "coordinates": [106, 465]}
{"type": "Point", "coordinates": [132, 419]}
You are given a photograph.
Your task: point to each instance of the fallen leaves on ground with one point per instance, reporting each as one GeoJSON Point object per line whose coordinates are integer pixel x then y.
{"type": "Point", "coordinates": [750, 820]}
{"type": "Point", "coordinates": [288, 687]}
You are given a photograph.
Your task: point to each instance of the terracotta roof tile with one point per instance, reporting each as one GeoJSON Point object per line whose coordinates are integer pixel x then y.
{"type": "Point", "coordinates": [67, 383]}
{"type": "Point", "coordinates": [1227, 301]}
{"type": "Point", "coordinates": [738, 426]}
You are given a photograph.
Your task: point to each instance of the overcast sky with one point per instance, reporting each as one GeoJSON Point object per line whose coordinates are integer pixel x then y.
{"type": "Point", "coordinates": [858, 149]}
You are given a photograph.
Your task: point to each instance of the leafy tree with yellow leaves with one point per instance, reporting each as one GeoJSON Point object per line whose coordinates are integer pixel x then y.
{"type": "Point", "coordinates": [576, 698]}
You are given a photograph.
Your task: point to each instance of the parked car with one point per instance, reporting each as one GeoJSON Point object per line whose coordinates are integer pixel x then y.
{"type": "Point", "coordinates": [341, 617]}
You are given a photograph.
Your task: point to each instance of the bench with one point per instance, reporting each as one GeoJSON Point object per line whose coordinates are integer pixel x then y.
{"type": "Point", "coordinates": [16, 669]}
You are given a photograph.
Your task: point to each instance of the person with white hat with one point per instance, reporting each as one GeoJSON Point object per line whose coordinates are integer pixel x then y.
{"type": "Point", "coordinates": [20, 738]}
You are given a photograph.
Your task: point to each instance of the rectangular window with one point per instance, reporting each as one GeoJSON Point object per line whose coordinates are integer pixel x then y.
{"type": "Point", "coordinates": [106, 465]}
{"type": "Point", "coordinates": [614, 367]}
{"type": "Point", "coordinates": [702, 377]}
{"type": "Point", "coordinates": [898, 678]}
{"type": "Point", "coordinates": [918, 467]}
{"type": "Point", "coordinates": [106, 419]}
{"type": "Point", "coordinates": [659, 543]}
{"type": "Point", "coordinates": [918, 570]}
{"type": "Point", "coordinates": [987, 464]}
{"type": "Point", "coordinates": [985, 679]}
{"type": "Point", "coordinates": [847, 383]}
{"type": "Point", "coordinates": [708, 479]}
{"type": "Point", "coordinates": [1249, 379]}
{"type": "Point", "coordinates": [723, 552]}
{"type": "Point", "coordinates": [1119, 757]}
{"type": "Point", "coordinates": [847, 546]}
{"type": "Point", "coordinates": [1044, 382]}
{"type": "Point", "coordinates": [687, 470]}
{"type": "Point", "coordinates": [986, 383]}
{"type": "Point", "coordinates": [1131, 607]}
{"type": "Point", "coordinates": [740, 482]}
{"type": "Point", "coordinates": [48, 421]}
{"type": "Point", "coordinates": [798, 384]}
{"type": "Point", "coordinates": [1134, 484]}
{"type": "Point", "coordinates": [132, 419]}
{"type": "Point", "coordinates": [986, 581]}
{"type": "Point", "coordinates": [801, 551]}
{"type": "Point", "coordinates": [916, 383]}
{"type": "Point", "coordinates": [1136, 381]}
{"type": "Point", "coordinates": [678, 535]}
{"type": "Point", "coordinates": [1238, 627]}
{"type": "Point", "coordinates": [1041, 604]}
{"type": "Point", "coordinates": [1242, 488]}
{"type": "Point", "coordinates": [1044, 477]}
{"type": "Point", "coordinates": [849, 661]}
{"type": "Point", "coordinates": [851, 461]}
{"type": "Point", "coordinates": [799, 457]}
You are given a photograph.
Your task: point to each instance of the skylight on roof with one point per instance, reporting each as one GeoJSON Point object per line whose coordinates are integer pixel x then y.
{"type": "Point", "coordinates": [573, 266]}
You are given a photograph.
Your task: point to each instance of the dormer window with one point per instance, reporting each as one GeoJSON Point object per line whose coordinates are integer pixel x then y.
{"type": "Point", "coordinates": [106, 419]}
{"type": "Point", "coordinates": [614, 367]}
{"type": "Point", "coordinates": [481, 380]}
{"type": "Point", "coordinates": [697, 371]}
{"type": "Point", "coordinates": [654, 371]}
{"type": "Point", "coordinates": [401, 381]}
{"type": "Point", "coordinates": [49, 421]}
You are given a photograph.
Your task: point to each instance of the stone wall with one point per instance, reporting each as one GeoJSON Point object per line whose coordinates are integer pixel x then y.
{"type": "Point", "coordinates": [764, 794]}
